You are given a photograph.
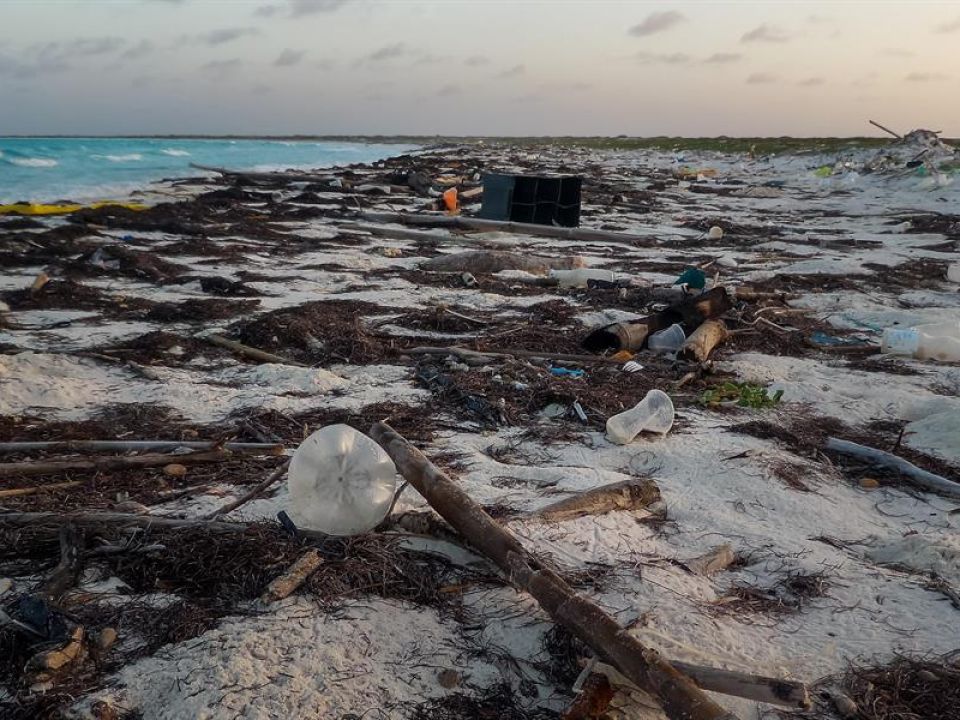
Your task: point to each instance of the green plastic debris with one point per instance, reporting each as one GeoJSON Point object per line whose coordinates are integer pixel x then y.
{"type": "Point", "coordinates": [823, 171]}
{"type": "Point", "coordinates": [693, 278]}
{"type": "Point", "coordinates": [744, 394]}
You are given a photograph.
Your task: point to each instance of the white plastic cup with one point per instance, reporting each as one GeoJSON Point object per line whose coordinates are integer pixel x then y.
{"type": "Point", "coordinates": [341, 482]}
{"type": "Point", "coordinates": [669, 340]}
{"type": "Point", "coordinates": [655, 413]}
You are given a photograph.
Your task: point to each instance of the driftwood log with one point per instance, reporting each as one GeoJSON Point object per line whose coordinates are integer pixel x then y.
{"type": "Point", "coordinates": [296, 575]}
{"type": "Point", "coordinates": [916, 476]}
{"type": "Point", "coordinates": [247, 351]}
{"type": "Point", "coordinates": [50, 467]}
{"type": "Point", "coordinates": [128, 445]}
{"type": "Point", "coordinates": [680, 697]}
{"type": "Point", "coordinates": [482, 225]}
{"type": "Point", "coordinates": [630, 494]}
{"type": "Point", "coordinates": [487, 262]}
{"type": "Point", "coordinates": [703, 340]}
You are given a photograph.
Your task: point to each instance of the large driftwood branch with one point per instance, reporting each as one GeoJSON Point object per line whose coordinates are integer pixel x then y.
{"type": "Point", "coordinates": [625, 495]}
{"type": "Point", "coordinates": [105, 464]}
{"type": "Point", "coordinates": [128, 445]}
{"type": "Point", "coordinates": [916, 476]}
{"type": "Point", "coordinates": [681, 698]}
{"type": "Point", "coordinates": [482, 225]}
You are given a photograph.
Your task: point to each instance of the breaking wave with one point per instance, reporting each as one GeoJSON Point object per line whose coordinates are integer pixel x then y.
{"type": "Point", "coordinates": [175, 153]}
{"type": "Point", "coordinates": [132, 157]}
{"type": "Point", "coordinates": [33, 162]}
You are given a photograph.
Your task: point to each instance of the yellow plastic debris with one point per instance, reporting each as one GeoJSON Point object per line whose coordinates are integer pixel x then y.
{"type": "Point", "coordinates": [43, 209]}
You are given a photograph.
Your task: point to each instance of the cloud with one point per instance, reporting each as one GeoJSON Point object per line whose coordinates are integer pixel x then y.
{"type": "Point", "coordinates": [289, 57]}
{"type": "Point", "coordinates": [811, 82]}
{"type": "Point", "coordinates": [476, 60]}
{"type": "Point", "coordinates": [54, 57]}
{"type": "Point", "coordinates": [514, 71]}
{"type": "Point", "coordinates": [949, 27]}
{"type": "Point", "coordinates": [920, 77]}
{"type": "Point", "coordinates": [818, 19]}
{"type": "Point", "coordinates": [646, 58]}
{"type": "Point", "coordinates": [387, 52]}
{"type": "Point", "coordinates": [897, 52]}
{"type": "Point", "coordinates": [222, 36]}
{"type": "Point", "coordinates": [449, 90]}
{"type": "Point", "coordinates": [135, 52]}
{"type": "Point", "coordinates": [723, 58]}
{"type": "Point", "coordinates": [765, 33]}
{"type": "Point", "coordinates": [657, 22]}
{"type": "Point", "coordinates": [761, 79]}
{"type": "Point", "coordinates": [299, 8]}
{"type": "Point", "coordinates": [222, 67]}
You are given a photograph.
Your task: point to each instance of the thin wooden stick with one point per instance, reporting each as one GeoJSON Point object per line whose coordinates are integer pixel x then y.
{"type": "Point", "coordinates": [20, 492]}
{"type": "Point", "coordinates": [247, 497]}
{"type": "Point", "coordinates": [247, 351]}
{"type": "Point", "coordinates": [680, 697]}
{"type": "Point", "coordinates": [886, 129]}
{"type": "Point", "coordinates": [128, 445]}
{"type": "Point", "coordinates": [916, 476]}
{"type": "Point", "coordinates": [465, 354]}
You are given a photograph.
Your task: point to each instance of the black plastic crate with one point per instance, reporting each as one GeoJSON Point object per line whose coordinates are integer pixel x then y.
{"type": "Point", "coordinates": [543, 200]}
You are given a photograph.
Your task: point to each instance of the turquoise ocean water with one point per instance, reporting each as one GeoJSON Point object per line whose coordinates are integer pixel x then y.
{"type": "Point", "coordinates": [50, 169]}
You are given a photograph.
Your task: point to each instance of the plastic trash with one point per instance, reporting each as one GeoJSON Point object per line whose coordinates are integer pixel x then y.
{"type": "Point", "coordinates": [667, 341]}
{"type": "Point", "coordinates": [934, 341]}
{"type": "Point", "coordinates": [579, 277]}
{"type": "Point", "coordinates": [341, 482]}
{"type": "Point", "coordinates": [953, 272]}
{"type": "Point", "coordinates": [567, 372]}
{"type": "Point", "coordinates": [450, 201]}
{"type": "Point", "coordinates": [654, 413]}
{"type": "Point", "coordinates": [693, 278]}
{"type": "Point", "coordinates": [632, 366]}
{"type": "Point", "coordinates": [715, 233]}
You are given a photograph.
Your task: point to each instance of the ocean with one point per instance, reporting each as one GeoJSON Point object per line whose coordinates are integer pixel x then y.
{"type": "Point", "coordinates": [84, 169]}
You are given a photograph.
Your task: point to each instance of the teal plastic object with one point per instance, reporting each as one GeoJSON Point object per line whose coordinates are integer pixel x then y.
{"type": "Point", "coordinates": [693, 278]}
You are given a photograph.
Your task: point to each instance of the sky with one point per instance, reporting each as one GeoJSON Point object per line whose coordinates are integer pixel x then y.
{"type": "Point", "coordinates": [471, 67]}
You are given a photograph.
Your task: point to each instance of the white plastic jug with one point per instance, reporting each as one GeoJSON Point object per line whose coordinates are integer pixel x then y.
{"type": "Point", "coordinates": [654, 413]}
{"type": "Point", "coordinates": [953, 272]}
{"type": "Point", "coordinates": [934, 341]}
{"type": "Point", "coordinates": [341, 482]}
{"type": "Point", "coordinates": [578, 278]}
{"type": "Point", "coordinates": [667, 341]}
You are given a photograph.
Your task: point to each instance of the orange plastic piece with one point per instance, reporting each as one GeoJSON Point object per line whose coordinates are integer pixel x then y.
{"type": "Point", "coordinates": [450, 200]}
{"type": "Point", "coordinates": [622, 356]}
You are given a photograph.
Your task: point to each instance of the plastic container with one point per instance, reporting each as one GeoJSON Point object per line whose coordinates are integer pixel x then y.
{"type": "Point", "coordinates": [715, 233]}
{"type": "Point", "coordinates": [936, 341]}
{"type": "Point", "coordinates": [953, 272]}
{"type": "Point", "coordinates": [654, 413]}
{"type": "Point", "coordinates": [578, 278]}
{"type": "Point", "coordinates": [667, 341]}
{"type": "Point", "coordinates": [341, 482]}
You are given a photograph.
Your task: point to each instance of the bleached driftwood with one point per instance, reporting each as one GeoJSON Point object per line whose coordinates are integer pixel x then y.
{"type": "Point", "coordinates": [247, 351]}
{"type": "Point", "coordinates": [50, 467]}
{"type": "Point", "coordinates": [718, 559]}
{"type": "Point", "coordinates": [132, 445]}
{"type": "Point", "coordinates": [916, 476]}
{"type": "Point", "coordinates": [630, 494]}
{"type": "Point", "coordinates": [458, 222]}
{"type": "Point", "coordinates": [494, 261]}
{"type": "Point", "coordinates": [20, 492]}
{"type": "Point", "coordinates": [295, 576]}
{"type": "Point", "coordinates": [680, 697]}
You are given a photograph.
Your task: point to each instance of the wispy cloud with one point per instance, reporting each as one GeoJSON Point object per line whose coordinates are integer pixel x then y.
{"type": "Point", "coordinates": [765, 33]}
{"type": "Point", "coordinates": [476, 60]}
{"type": "Point", "coordinates": [657, 22]}
{"type": "Point", "coordinates": [897, 53]}
{"type": "Point", "coordinates": [514, 71]}
{"type": "Point", "coordinates": [299, 8]}
{"type": "Point", "coordinates": [920, 77]}
{"type": "Point", "coordinates": [222, 36]}
{"type": "Point", "coordinates": [647, 58]}
{"type": "Point", "coordinates": [723, 58]}
{"type": "Point", "coordinates": [222, 67]}
{"type": "Point", "coordinates": [761, 79]}
{"type": "Point", "coordinates": [949, 27]}
{"type": "Point", "coordinates": [811, 82]}
{"type": "Point", "coordinates": [135, 52]}
{"type": "Point", "coordinates": [54, 57]}
{"type": "Point", "coordinates": [387, 53]}
{"type": "Point", "coordinates": [289, 57]}
{"type": "Point", "coordinates": [449, 90]}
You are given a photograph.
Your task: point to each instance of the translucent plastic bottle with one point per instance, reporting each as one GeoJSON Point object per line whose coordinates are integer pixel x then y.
{"type": "Point", "coordinates": [667, 341]}
{"type": "Point", "coordinates": [935, 341]}
{"type": "Point", "coordinates": [578, 278]}
{"type": "Point", "coordinates": [654, 413]}
{"type": "Point", "coordinates": [341, 482]}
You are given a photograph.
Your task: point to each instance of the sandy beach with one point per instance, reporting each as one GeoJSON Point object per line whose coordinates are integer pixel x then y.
{"type": "Point", "coordinates": [835, 563]}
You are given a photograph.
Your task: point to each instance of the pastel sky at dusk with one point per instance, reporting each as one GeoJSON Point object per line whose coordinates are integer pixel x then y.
{"type": "Point", "coordinates": [492, 68]}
